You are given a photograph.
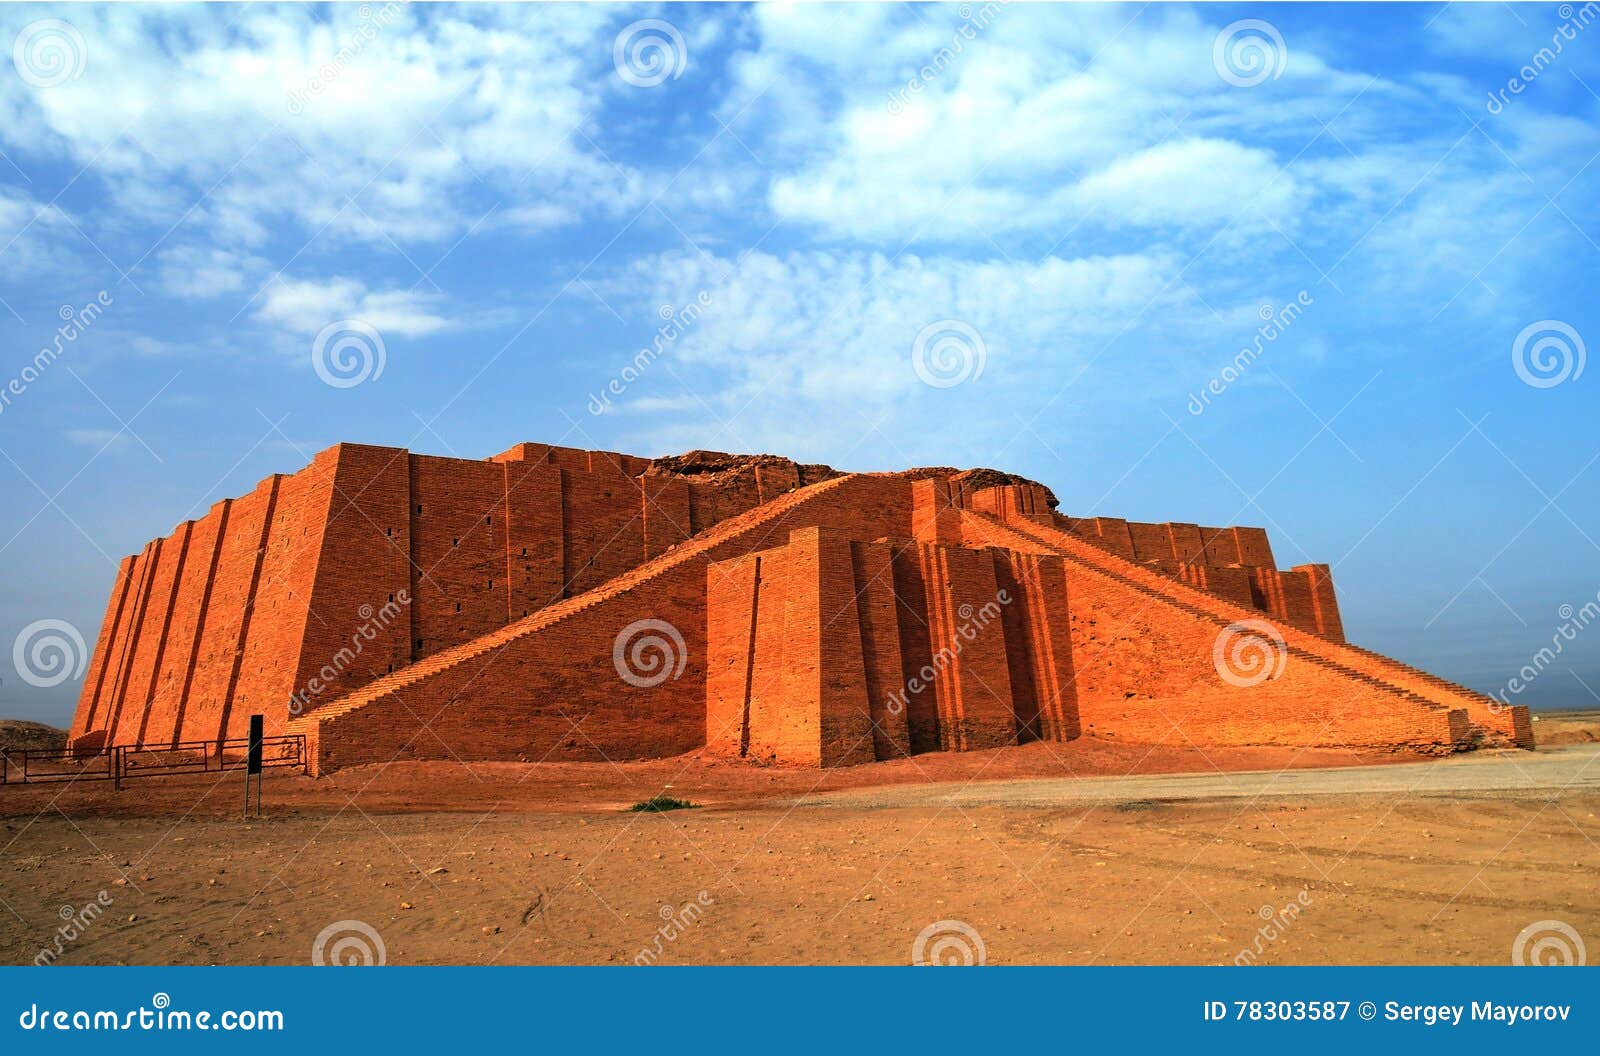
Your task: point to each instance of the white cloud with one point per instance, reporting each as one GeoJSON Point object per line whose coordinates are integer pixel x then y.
{"type": "Point", "coordinates": [195, 272]}
{"type": "Point", "coordinates": [31, 232]}
{"type": "Point", "coordinates": [98, 438]}
{"type": "Point", "coordinates": [306, 306]}
{"type": "Point", "coordinates": [1054, 121]}
{"type": "Point", "coordinates": [1189, 183]}
{"type": "Point", "coordinates": [404, 126]}
{"type": "Point", "coordinates": [798, 350]}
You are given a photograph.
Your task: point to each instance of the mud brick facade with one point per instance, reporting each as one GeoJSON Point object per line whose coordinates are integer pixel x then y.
{"type": "Point", "coordinates": [390, 605]}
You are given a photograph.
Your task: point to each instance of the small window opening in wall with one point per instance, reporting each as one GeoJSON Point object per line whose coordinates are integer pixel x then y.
{"type": "Point", "coordinates": [389, 669]}
{"type": "Point", "coordinates": [419, 645]}
{"type": "Point", "coordinates": [491, 584]}
{"type": "Point", "coordinates": [524, 551]}
{"type": "Point", "coordinates": [391, 597]}
{"type": "Point", "coordinates": [486, 520]}
{"type": "Point", "coordinates": [419, 509]}
{"type": "Point", "coordinates": [388, 533]}
{"type": "Point", "coordinates": [455, 542]}
{"type": "Point", "coordinates": [458, 606]}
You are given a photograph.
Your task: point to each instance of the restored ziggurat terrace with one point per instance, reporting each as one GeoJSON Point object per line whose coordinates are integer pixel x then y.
{"type": "Point", "coordinates": [391, 605]}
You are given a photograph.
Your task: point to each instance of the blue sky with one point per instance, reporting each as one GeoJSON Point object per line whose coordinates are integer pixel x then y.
{"type": "Point", "coordinates": [1096, 205]}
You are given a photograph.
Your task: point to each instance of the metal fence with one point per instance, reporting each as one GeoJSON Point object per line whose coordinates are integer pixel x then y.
{"type": "Point", "coordinates": [128, 762]}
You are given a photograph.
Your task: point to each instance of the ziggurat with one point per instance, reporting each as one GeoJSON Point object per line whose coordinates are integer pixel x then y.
{"type": "Point", "coordinates": [390, 605]}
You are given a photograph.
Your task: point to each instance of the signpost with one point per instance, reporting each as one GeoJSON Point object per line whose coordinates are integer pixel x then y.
{"type": "Point", "coordinates": [253, 763]}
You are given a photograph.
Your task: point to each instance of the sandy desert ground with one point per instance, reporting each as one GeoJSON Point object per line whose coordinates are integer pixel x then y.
{"type": "Point", "coordinates": [1048, 854]}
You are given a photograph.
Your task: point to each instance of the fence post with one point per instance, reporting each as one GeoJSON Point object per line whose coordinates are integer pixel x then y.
{"type": "Point", "coordinates": [116, 767]}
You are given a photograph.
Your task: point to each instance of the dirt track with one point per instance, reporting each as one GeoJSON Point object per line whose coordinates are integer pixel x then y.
{"type": "Point", "coordinates": [1568, 769]}
{"type": "Point", "coordinates": [542, 867]}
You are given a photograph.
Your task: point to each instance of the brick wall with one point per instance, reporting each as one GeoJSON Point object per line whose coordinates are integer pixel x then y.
{"type": "Point", "coordinates": [286, 590]}
{"type": "Point", "coordinates": [1144, 671]}
{"type": "Point", "coordinates": [1486, 721]}
{"type": "Point", "coordinates": [819, 654]}
{"type": "Point", "coordinates": [547, 687]}
{"type": "Point", "coordinates": [393, 605]}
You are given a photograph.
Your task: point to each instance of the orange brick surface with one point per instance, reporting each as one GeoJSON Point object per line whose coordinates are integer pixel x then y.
{"type": "Point", "coordinates": [394, 605]}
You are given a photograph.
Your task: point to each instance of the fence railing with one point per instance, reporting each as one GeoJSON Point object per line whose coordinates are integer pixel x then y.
{"type": "Point", "coordinates": [128, 762]}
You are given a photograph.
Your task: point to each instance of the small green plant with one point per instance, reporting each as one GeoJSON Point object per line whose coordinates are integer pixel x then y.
{"type": "Point", "coordinates": [658, 803]}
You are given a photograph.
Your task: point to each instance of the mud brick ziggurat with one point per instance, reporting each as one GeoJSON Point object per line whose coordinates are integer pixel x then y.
{"type": "Point", "coordinates": [556, 604]}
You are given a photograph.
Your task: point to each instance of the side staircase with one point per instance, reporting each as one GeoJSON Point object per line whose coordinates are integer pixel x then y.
{"type": "Point", "coordinates": [1490, 723]}
{"type": "Point", "coordinates": [746, 528]}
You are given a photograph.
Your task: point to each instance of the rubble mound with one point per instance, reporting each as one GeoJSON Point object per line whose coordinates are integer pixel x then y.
{"type": "Point", "coordinates": [717, 466]}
